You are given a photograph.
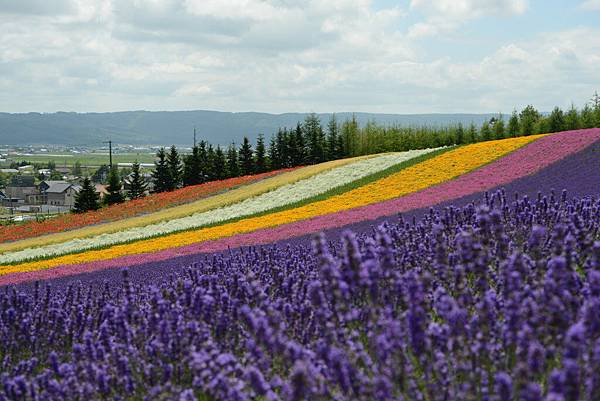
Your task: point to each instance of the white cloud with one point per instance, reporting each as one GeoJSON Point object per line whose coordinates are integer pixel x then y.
{"type": "Point", "coordinates": [258, 10]}
{"type": "Point", "coordinates": [591, 5]}
{"type": "Point", "coordinates": [447, 15]}
{"type": "Point", "coordinates": [192, 90]}
{"type": "Point", "coordinates": [278, 56]}
{"type": "Point", "coordinates": [467, 9]}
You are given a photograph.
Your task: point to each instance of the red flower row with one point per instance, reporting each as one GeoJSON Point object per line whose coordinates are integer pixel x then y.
{"type": "Point", "coordinates": [127, 209]}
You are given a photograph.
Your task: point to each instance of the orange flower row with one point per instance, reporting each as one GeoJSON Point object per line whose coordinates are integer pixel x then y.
{"type": "Point", "coordinates": [127, 209]}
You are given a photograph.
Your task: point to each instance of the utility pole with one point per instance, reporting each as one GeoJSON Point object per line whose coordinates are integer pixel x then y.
{"type": "Point", "coordinates": [194, 136]}
{"type": "Point", "coordinates": [109, 153]}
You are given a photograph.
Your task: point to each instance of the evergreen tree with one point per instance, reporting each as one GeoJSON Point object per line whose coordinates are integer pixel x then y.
{"type": "Point", "coordinates": [499, 127]}
{"type": "Point", "coordinates": [87, 198]}
{"type": "Point", "coordinates": [290, 144]}
{"type": "Point", "coordinates": [114, 194]}
{"type": "Point", "coordinates": [202, 163]}
{"type": "Point", "coordinates": [211, 174]}
{"type": "Point", "coordinates": [587, 117]}
{"type": "Point", "coordinates": [513, 124]}
{"type": "Point", "coordinates": [542, 126]}
{"type": "Point", "coordinates": [341, 145]}
{"type": "Point", "coordinates": [528, 119]}
{"type": "Point", "coordinates": [137, 184]}
{"type": "Point", "coordinates": [460, 134]}
{"type": "Point", "coordinates": [596, 101]}
{"type": "Point", "coordinates": [191, 167]}
{"type": "Point", "coordinates": [124, 173]}
{"type": "Point", "coordinates": [175, 171]}
{"type": "Point", "coordinates": [260, 157]}
{"type": "Point", "coordinates": [596, 106]}
{"type": "Point", "coordinates": [472, 133]}
{"type": "Point", "coordinates": [332, 139]}
{"type": "Point", "coordinates": [300, 145]}
{"type": "Point", "coordinates": [485, 133]}
{"type": "Point", "coordinates": [274, 161]}
{"type": "Point", "coordinates": [556, 120]}
{"type": "Point", "coordinates": [101, 174]}
{"type": "Point", "coordinates": [161, 173]}
{"type": "Point", "coordinates": [315, 139]}
{"type": "Point", "coordinates": [322, 140]}
{"type": "Point", "coordinates": [220, 164]}
{"type": "Point", "coordinates": [233, 166]}
{"type": "Point", "coordinates": [246, 158]}
{"type": "Point", "coordinates": [283, 149]}
{"type": "Point", "coordinates": [350, 137]}
{"type": "Point", "coordinates": [572, 120]}
{"type": "Point", "coordinates": [293, 148]}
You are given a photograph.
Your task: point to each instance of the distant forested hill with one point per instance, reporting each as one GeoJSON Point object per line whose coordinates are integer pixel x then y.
{"type": "Point", "coordinates": [176, 127]}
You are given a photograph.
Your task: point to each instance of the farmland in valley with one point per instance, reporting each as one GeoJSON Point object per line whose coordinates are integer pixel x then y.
{"type": "Point", "coordinates": [85, 159]}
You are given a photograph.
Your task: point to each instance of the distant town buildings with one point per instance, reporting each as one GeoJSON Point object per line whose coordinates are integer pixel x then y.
{"type": "Point", "coordinates": [21, 186]}
{"type": "Point", "coordinates": [22, 191]}
{"type": "Point", "coordinates": [28, 185]}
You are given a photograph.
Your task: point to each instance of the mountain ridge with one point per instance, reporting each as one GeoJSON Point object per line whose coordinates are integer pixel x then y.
{"type": "Point", "coordinates": [167, 127]}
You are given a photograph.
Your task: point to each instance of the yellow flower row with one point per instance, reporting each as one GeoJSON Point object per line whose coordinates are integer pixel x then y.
{"type": "Point", "coordinates": [202, 205]}
{"type": "Point", "coordinates": [431, 172]}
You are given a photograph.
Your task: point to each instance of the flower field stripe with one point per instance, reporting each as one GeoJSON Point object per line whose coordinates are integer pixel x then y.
{"type": "Point", "coordinates": [280, 198]}
{"type": "Point", "coordinates": [148, 204]}
{"type": "Point", "coordinates": [422, 175]}
{"type": "Point", "coordinates": [554, 148]}
{"type": "Point", "coordinates": [223, 199]}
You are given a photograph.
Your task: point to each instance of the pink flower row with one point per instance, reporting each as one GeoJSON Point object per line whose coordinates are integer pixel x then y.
{"type": "Point", "coordinates": [525, 161]}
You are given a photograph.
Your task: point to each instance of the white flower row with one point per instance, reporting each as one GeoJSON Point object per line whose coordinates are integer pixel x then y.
{"type": "Point", "coordinates": [282, 196]}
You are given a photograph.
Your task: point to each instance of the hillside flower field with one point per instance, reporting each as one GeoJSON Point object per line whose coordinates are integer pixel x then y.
{"type": "Point", "coordinates": [286, 194]}
{"type": "Point", "coordinates": [171, 212]}
{"type": "Point", "coordinates": [371, 200]}
{"type": "Point", "coordinates": [134, 207]}
{"type": "Point", "coordinates": [459, 273]}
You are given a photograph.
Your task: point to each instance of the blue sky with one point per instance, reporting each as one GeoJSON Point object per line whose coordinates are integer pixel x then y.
{"type": "Point", "coordinates": [412, 56]}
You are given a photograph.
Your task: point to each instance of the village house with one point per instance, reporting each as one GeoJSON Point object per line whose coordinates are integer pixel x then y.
{"type": "Point", "coordinates": [20, 187]}
{"type": "Point", "coordinates": [59, 193]}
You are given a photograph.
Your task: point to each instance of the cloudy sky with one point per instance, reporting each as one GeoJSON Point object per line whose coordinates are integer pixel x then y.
{"type": "Point", "coordinates": [412, 56]}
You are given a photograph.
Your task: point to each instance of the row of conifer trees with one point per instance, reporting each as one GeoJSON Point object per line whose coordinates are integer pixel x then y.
{"type": "Point", "coordinates": [310, 143]}
{"type": "Point", "coordinates": [88, 199]}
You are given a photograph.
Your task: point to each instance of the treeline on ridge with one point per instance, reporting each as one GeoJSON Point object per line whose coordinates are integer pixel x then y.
{"type": "Point", "coordinates": [311, 143]}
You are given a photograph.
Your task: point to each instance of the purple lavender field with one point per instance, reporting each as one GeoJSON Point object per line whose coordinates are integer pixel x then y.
{"type": "Point", "coordinates": [496, 302]}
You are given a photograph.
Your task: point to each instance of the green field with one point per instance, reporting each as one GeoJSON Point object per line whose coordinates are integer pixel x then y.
{"type": "Point", "coordinates": [85, 159]}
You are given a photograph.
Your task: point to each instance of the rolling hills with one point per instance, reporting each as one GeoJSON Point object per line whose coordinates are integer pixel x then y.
{"type": "Point", "coordinates": [176, 127]}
